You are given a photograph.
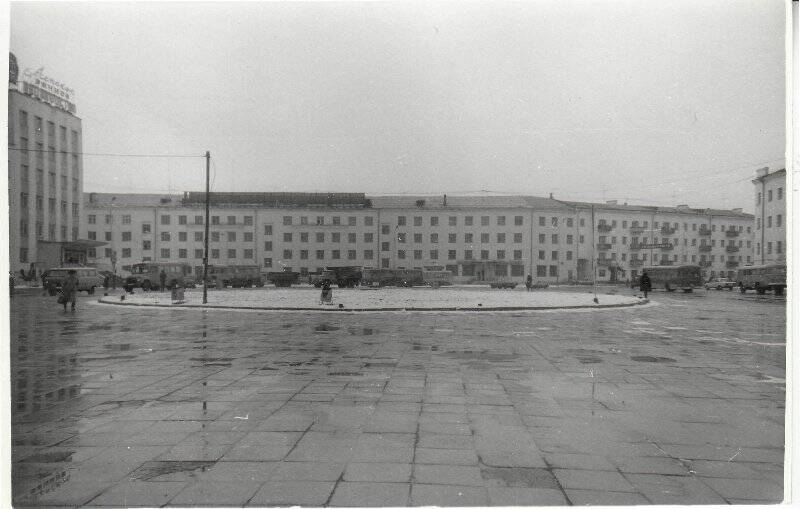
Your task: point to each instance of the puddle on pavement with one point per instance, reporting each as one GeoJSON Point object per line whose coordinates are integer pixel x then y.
{"type": "Point", "coordinates": [380, 365]}
{"type": "Point", "coordinates": [650, 358]}
{"type": "Point", "coordinates": [518, 477]}
{"type": "Point", "coordinates": [154, 469]}
{"type": "Point", "coordinates": [325, 327]}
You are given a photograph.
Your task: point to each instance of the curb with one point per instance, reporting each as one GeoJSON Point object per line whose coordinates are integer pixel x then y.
{"type": "Point", "coordinates": [365, 310]}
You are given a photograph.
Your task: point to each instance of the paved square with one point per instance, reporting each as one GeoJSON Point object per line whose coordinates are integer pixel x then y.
{"type": "Point", "coordinates": [681, 402]}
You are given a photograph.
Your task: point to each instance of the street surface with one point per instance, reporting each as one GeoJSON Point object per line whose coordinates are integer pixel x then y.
{"type": "Point", "coordinates": [676, 403]}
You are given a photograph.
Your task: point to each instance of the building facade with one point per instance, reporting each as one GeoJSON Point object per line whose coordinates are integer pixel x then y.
{"type": "Point", "coordinates": [476, 238]}
{"type": "Point", "coordinates": [770, 216]}
{"type": "Point", "coordinates": [45, 167]}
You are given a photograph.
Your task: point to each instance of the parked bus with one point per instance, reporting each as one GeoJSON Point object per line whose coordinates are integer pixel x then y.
{"type": "Point", "coordinates": [670, 278]}
{"type": "Point", "coordinates": [762, 278]}
{"type": "Point", "coordinates": [147, 275]}
{"type": "Point", "coordinates": [436, 276]}
{"type": "Point", "coordinates": [237, 276]}
{"type": "Point", "coordinates": [392, 277]}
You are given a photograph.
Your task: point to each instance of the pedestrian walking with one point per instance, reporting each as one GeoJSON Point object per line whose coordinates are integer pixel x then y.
{"type": "Point", "coordinates": [69, 290]}
{"type": "Point", "coordinates": [644, 284]}
{"type": "Point", "coordinates": [529, 282]}
{"type": "Point", "coordinates": [326, 296]}
{"type": "Point", "coordinates": [163, 278]}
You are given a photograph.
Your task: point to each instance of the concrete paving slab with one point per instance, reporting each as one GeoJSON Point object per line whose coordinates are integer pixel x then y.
{"type": "Point", "coordinates": [219, 493]}
{"type": "Point", "coordinates": [378, 472]}
{"type": "Point", "coordinates": [289, 493]}
{"type": "Point", "coordinates": [138, 493]}
{"type": "Point", "coordinates": [504, 496]}
{"type": "Point", "coordinates": [448, 496]}
{"type": "Point", "coordinates": [371, 494]}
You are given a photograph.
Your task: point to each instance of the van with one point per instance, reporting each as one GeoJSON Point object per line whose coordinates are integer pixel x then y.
{"type": "Point", "coordinates": [88, 279]}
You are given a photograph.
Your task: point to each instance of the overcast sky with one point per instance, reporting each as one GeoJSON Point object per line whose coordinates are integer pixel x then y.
{"type": "Point", "coordinates": [660, 102]}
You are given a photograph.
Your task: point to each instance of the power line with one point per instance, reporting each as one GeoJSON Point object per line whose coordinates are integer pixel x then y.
{"type": "Point", "coordinates": [102, 154]}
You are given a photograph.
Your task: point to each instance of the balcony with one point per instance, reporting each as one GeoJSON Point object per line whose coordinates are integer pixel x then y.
{"type": "Point", "coordinates": [731, 249]}
{"type": "Point", "coordinates": [705, 248]}
{"type": "Point", "coordinates": [731, 264]}
{"type": "Point", "coordinates": [603, 247]}
{"type": "Point", "coordinates": [704, 231]}
{"type": "Point", "coordinates": [731, 233]}
{"type": "Point", "coordinates": [667, 247]}
{"type": "Point", "coordinates": [705, 263]}
{"type": "Point", "coordinates": [637, 229]}
{"type": "Point", "coordinates": [666, 230]}
{"type": "Point", "coordinates": [603, 227]}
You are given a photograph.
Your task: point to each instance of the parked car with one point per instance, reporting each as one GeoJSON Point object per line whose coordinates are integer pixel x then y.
{"type": "Point", "coordinates": [503, 284]}
{"type": "Point", "coordinates": [720, 283]}
{"type": "Point", "coordinates": [88, 279]}
{"type": "Point", "coordinates": [113, 279]}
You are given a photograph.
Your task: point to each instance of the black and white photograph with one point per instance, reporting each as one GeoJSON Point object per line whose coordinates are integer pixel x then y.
{"type": "Point", "coordinates": [398, 254]}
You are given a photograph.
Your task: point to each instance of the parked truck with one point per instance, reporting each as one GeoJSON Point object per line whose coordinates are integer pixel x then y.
{"type": "Point", "coordinates": [344, 277]}
{"type": "Point", "coordinates": [237, 276]}
{"type": "Point", "coordinates": [392, 277]}
{"type": "Point", "coordinates": [283, 279]}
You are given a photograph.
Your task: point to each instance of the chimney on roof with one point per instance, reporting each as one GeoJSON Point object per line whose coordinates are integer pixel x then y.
{"type": "Point", "coordinates": [444, 201]}
{"type": "Point", "coordinates": [761, 172]}
{"type": "Point", "coordinates": [611, 202]}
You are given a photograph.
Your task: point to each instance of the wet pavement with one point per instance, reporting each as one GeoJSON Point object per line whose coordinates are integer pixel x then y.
{"type": "Point", "coordinates": [680, 402]}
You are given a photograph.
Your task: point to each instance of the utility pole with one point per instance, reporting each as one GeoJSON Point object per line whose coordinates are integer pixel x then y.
{"type": "Point", "coordinates": [594, 261]}
{"type": "Point", "coordinates": [205, 237]}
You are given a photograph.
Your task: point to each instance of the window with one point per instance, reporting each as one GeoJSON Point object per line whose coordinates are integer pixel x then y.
{"type": "Point", "coordinates": [368, 237]}
{"type": "Point", "coordinates": [569, 223]}
{"type": "Point", "coordinates": [484, 220]}
{"type": "Point", "coordinates": [581, 239]}
{"type": "Point", "coordinates": [214, 236]}
{"type": "Point", "coordinates": [401, 254]}
{"type": "Point", "coordinates": [385, 246]}
{"type": "Point", "coordinates": [468, 270]}
{"type": "Point", "coordinates": [434, 238]}
{"type": "Point", "coordinates": [351, 238]}
{"type": "Point", "coordinates": [267, 262]}
{"type": "Point", "coordinates": [336, 237]}
{"type": "Point", "coordinates": [351, 220]}
{"type": "Point", "coordinates": [320, 236]}
{"type": "Point", "coordinates": [267, 229]}
{"type": "Point", "coordinates": [542, 221]}
{"type": "Point", "coordinates": [384, 229]}
{"type": "Point", "coordinates": [778, 220]}
{"type": "Point", "coordinates": [182, 236]}
{"type": "Point", "coordinates": [769, 247]}
{"type": "Point", "coordinates": [248, 254]}
{"type": "Point", "coordinates": [467, 255]}
{"type": "Point", "coordinates": [287, 236]}
{"type": "Point", "coordinates": [248, 236]}
{"type": "Point", "coordinates": [287, 220]}
{"type": "Point", "coordinates": [501, 238]}
{"type": "Point", "coordinates": [165, 252]}
{"type": "Point", "coordinates": [182, 253]}
{"type": "Point", "coordinates": [91, 235]}
{"type": "Point", "coordinates": [401, 220]}
{"type": "Point", "coordinates": [198, 236]}
{"type": "Point", "coordinates": [569, 239]}
{"type": "Point", "coordinates": [517, 220]}
{"type": "Point", "coordinates": [467, 220]}
{"type": "Point", "coordinates": [165, 237]}
{"type": "Point", "coordinates": [468, 238]}
{"type": "Point", "coordinates": [337, 220]}
{"type": "Point", "coordinates": [351, 254]}
{"type": "Point", "coordinates": [779, 247]}
{"type": "Point", "coordinates": [198, 253]}
{"type": "Point", "coordinates": [554, 238]}
{"type": "Point", "coordinates": [182, 220]}
{"type": "Point", "coordinates": [582, 222]}
{"type": "Point", "coordinates": [303, 220]}
{"type": "Point", "coordinates": [434, 221]}
{"type": "Point", "coordinates": [368, 254]}
{"type": "Point", "coordinates": [451, 254]}
{"type": "Point", "coordinates": [231, 253]}
{"type": "Point", "coordinates": [452, 221]}
{"type": "Point", "coordinates": [554, 271]}
{"type": "Point", "coordinates": [418, 254]}
{"type": "Point", "coordinates": [126, 236]}
{"type": "Point", "coordinates": [146, 245]}
{"type": "Point", "coordinates": [541, 255]}
{"type": "Point", "coordinates": [542, 238]}
{"type": "Point", "coordinates": [385, 263]}
{"type": "Point", "coordinates": [287, 254]}
{"type": "Point", "coordinates": [769, 221]}
{"type": "Point", "coordinates": [554, 222]}
{"type": "Point", "coordinates": [554, 255]}
{"type": "Point", "coordinates": [780, 193]}
{"type": "Point", "coordinates": [304, 254]}
{"type": "Point", "coordinates": [517, 238]}
{"type": "Point", "coordinates": [336, 254]}
{"type": "Point", "coordinates": [569, 255]}
{"type": "Point", "coordinates": [541, 270]}
{"type": "Point", "coordinates": [769, 195]}
{"type": "Point", "coordinates": [91, 218]}
{"type": "Point", "coordinates": [248, 220]}
{"type": "Point", "coordinates": [368, 221]}
{"type": "Point", "coordinates": [484, 254]}
{"type": "Point", "coordinates": [484, 238]}
{"type": "Point", "coordinates": [451, 238]}
{"type": "Point", "coordinates": [164, 219]}
{"type": "Point", "coordinates": [215, 254]}
{"type": "Point", "coordinates": [417, 220]}
{"type": "Point", "coordinates": [434, 254]}
{"type": "Point", "coordinates": [501, 254]}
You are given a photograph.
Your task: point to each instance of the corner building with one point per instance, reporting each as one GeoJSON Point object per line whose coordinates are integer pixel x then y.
{"type": "Point", "coordinates": [45, 171]}
{"type": "Point", "coordinates": [770, 217]}
{"type": "Point", "coordinates": [476, 238]}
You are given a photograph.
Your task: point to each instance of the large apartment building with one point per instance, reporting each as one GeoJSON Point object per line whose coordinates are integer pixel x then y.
{"type": "Point", "coordinates": [770, 224]}
{"type": "Point", "coordinates": [477, 238]}
{"type": "Point", "coordinates": [45, 167]}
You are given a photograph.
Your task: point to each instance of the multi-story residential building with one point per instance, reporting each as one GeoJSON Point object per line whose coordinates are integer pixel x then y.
{"type": "Point", "coordinates": [45, 168]}
{"type": "Point", "coordinates": [477, 238]}
{"type": "Point", "coordinates": [770, 217]}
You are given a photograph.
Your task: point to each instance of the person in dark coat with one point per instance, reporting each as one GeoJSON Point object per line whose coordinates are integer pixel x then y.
{"type": "Point", "coordinates": [529, 282]}
{"type": "Point", "coordinates": [69, 289]}
{"type": "Point", "coordinates": [644, 284]}
{"type": "Point", "coordinates": [327, 293]}
{"type": "Point", "coordinates": [163, 278]}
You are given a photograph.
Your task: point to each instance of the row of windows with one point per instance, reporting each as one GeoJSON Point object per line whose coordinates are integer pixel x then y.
{"type": "Point", "coordinates": [778, 222]}
{"type": "Point", "coordinates": [453, 220]}
{"type": "Point", "coordinates": [51, 130]}
{"type": "Point", "coordinates": [51, 231]}
{"type": "Point", "coordinates": [769, 195]}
